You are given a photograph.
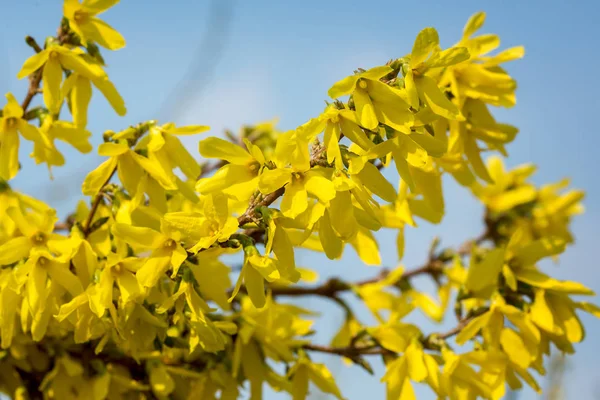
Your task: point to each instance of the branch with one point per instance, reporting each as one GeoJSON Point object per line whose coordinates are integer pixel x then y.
{"type": "Point", "coordinates": [62, 226]}
{"type": "Point", "coordinates": [250, 214]}
{"type": "Point", "coordinates": [207, 168]}
{"type": "Point", "coordinates": [348, 351]}
{"type": "Point", "coordinates": [34, 79]}
{"type": "Point", "coordinates": [429, 342]}
{"type": "Point", "coordinates": [95, 205]}
{"type": "Point", "coordinates": [334, 286]}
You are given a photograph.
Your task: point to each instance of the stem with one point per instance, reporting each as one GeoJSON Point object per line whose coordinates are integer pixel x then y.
{"type": "Point", "coordinates": [334, 286]}
{"type": "Point", "coordinates": [348, 351]}
{"type": "Point", "coordinates": [95, 205]}
{"type": "Point", "coordinates": [365, 350]}
{"type": "Point", "coordinates": [250, 214]}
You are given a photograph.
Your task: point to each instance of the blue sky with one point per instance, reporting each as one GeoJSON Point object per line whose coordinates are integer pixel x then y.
{"type": "Point", "coordinates": [264, 59]}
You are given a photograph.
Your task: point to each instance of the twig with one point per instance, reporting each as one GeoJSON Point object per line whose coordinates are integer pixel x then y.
{"type": "Point", "coordinates": [334, 286]}
{"type": "Point", "coordinates": [207, 168]}
{"type": "Point", "coordinates": [95, 205]}
{"type": "Point", "coordinates": [61, 226]}
{"type": "Point", "coordinates": [356, 351]}
{"type": "Point", "coordinates": [250, 214]}
{"type": "Point", "coordinates": [34, 83]}
{"type": "Point", "coordinates": [348, 351]}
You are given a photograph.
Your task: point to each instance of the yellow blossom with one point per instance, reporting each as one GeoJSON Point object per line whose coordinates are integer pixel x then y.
{"type": "Point", "coordinates": [83, 21]}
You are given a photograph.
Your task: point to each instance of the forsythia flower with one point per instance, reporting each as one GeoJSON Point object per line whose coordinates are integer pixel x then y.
{"type": "Point", "coordinates": [53, 59]}
{"type": "Point", "coordinates": [170, 152]}
{"type": "Point", "coordinates": [78, 89]}
{"type": "Point", "coordinates": [255, 271]}
{"type": "Point", "coordinates": [36, 235]}
{"type": "Point", "coordinates": [41, 265]}
{"type": "Point", "coordinates": [214, 225]}
{"type": "Point", "coordinates": [375, 101]}
{"type": "Point", "coordinates": [138, 174]}
{"type": "Point", "coordinates": [237, 178]}
{"type": "Point", "coordinates": [11, 124]}
{"type": "Point", "coordinates": [424, 57]}
{"type": "Point", "coordinates": [166, 251]}
{"type": "Point", "coordinates": [82, 20]}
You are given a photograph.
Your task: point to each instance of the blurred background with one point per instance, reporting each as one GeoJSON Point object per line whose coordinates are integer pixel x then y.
{"type": "Point", "coordinates": [225, 63]}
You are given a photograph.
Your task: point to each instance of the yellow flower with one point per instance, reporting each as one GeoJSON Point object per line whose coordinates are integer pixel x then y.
{"type": "Point", "coordinates": [205, 333]}
{"type": "Point", "coordinates": [238, 178]}
{"type": "Point", "coordinates": [62, 130]}
{"type": "Point", "coordinates": [67, 132]}
{"type": "Point", "coordinates": [510, 188]}
{"type": "Point", "coordinates": [10, 300]}
{"type": "Point", "coordinates": [458, 378]}
{"type": "Point", "coordinates": [53, 59]}
{"type": "Point", "coordinates": [83, 21]}
{"type": "Point", "coordinates": [298, 184]}
{"type": "Point", "coordinates": [12, 123]}
{"type": "Point", "coordinates": [36, 233]}
{"type": "Point", "coordinates": [122, 272]}
{"type": "Point", "coordinates": [375, 101]}
{"type": "Point", "coordinates": [212, 276]}
{"type": "Point", "coordinates": [166, 251]}
{"type": "Point", "coordinates": [426, 56]}
{"type": "Point", "coordinates": [482, 78]}
{"type": "Point", "coordinates": [255, 271]}
{"type": "Point", "coordinates": [279, 242]}
{"type": "Point", "coordinates": [413, 365]}
{"type": "Point", "coordinates": [78, 89]}
{"type": "Point", "coordinates": [163, 141]}
{"type": "Point", "coordinates": [39, 266]}
{"type": "Point", "coordinates": [305, 371]}
{"type": "Point", "coordinates": [207, 228]}
{"type": "Point", "coordinates": [336, 122]}
{"type": "Point", "coordinates": [137, 173]}
{"type": "Point", "coordinates": [521, 346]}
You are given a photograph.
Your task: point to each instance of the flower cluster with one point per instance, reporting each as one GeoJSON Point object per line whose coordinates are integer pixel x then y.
{"type": "Point", "coordinates": [137, 296]}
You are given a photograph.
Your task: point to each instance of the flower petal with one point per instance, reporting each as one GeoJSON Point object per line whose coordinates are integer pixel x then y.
{"type": "Point", "coordinates": [33, 63]}
{"type": "Point", "coordinates": [214, 147]}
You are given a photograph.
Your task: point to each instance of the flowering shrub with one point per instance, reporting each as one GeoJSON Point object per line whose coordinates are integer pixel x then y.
{"type": "Point", "coordinates": [130, 297]}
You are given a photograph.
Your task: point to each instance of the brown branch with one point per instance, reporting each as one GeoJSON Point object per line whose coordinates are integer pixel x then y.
{"type": "Point", "coordinates": [207, 168]}
{"type": "Point", "coordinates": [429, 342]}
{"type": "Point", "coordinates": [95, 205]}
{"type": "Point", "coordinates": [34, 79]}
{"type": "Point", "coordinates": [348, 351]}
{"type": "Point", "coordinates": [334, 286]}
{"type": "Point", "coordinates": [250, 214]}
{"type": "Point", "coordinates": [62, 226]}
{"type": "Point", "coordinates": [456, 330]}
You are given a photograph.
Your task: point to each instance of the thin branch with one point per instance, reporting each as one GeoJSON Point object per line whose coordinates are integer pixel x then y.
{"type": "Point", "coordinates": [334, 286]}
{"type": "Point", "coordinates": [348, 351]}
{"type": "Point", "coordinates": [365, 350]}
{"type": "Point", "coordinates": [207, 168]}
{"type": "Point", "coordinates": [34, 83]}
{"type": "Point", "coordinates": [250, 214]}
{"type": "Point", "coordinates": [95, 205]}
{"type": "Point", "coordinates": [62, 226]}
